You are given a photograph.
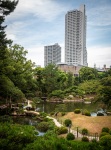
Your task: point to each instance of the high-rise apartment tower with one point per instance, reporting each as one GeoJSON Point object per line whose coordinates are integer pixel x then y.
{"type": "Point", "coordinates": [52, 54]}
{"type": "Point", "coordinates": [75, 37]}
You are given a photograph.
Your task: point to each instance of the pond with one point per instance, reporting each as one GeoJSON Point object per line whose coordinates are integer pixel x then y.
{"type": "Point", "coordinates": [50, 107]}
{"type": "Point", "coordinates": [27, 121]}
{"type": "Point", "coordinates": [70, 106]}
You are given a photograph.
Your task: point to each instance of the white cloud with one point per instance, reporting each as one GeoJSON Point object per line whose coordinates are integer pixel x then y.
{"type": "Point", "coordinates": [34, 23]}
{"type": "Point", "coordinates": [43, 9]}
{"type": "Point", "coordinates": [99, 55]}
{"type": "Point", "coordinates": [14, 29]}
{"type": "Point", "coordinates": [36, 54]}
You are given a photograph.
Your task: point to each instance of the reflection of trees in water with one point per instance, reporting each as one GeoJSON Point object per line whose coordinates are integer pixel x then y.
{"type": "Point", "coordinates": [70, 106]}
{"type": "Point", "coordinates": [24, 120]}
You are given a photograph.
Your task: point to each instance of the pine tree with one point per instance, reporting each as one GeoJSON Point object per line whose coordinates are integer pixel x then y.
{"type": "Point", "coordinates": [6, 7]}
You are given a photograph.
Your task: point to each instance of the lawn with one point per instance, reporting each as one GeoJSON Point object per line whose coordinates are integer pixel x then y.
{"type": "Point", "coordinates": [93, 124]}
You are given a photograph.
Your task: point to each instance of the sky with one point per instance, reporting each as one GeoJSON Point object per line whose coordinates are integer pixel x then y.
{"type": "Point", "coordinates": [38, 23]}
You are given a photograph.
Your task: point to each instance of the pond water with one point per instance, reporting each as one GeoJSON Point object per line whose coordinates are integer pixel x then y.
{"type": "Point", "coordinates": [50, 107]}
{"type": "Point", "coordinates": [70, 106]}
{"type": "Point", "coordinates": [27, 121]}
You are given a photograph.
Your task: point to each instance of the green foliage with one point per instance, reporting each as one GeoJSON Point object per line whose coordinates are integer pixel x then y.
{"type": "Point", "coordinates": [5, 118]}
{"type": "Point", "coordinates": [6, 7]}
{"type": "Point", "coordinates": [72, 89]}
{"type": "Point", "coordinates": [52, 113]}
{"type": "Point", "coordinates": [85, 139]}
{"type": "Point", "coordinates": [110, 131]}
{"type": "Point", "coordinates": [57, 93]}
{"type": "Point", "coordinates": [60, 108]}
{"type": "Point", "coordinates": [89, 86]}
{"type": "Point", "coordinates": [43, 126]}
{"type": "Point", "coordinates": [105, 129]}
{"type": "Point", "coordinates": [87, 73]}
{"type": "Point", "coordinates": [14, 136]}
{"type": "Point", "coordinates": [84, 131]}
{"type": "Point", "coordinates": [42, 114]}
{"type": "Point", "coordinates": [70, 136]}
{"type": "Point", "coordinates": [104, 91]}
{"type": "Point", "coordinates": [103, 134]}
{"type": "Point", "coordinates": [67, 122]}
{"type": "Point", "coordinates": [105, 141]}
{"type": "Point", "coordinates": [94, 140]}
{"type": "Point", "coordinates": [54, 143]}
{"type": "Point", "coordinates": [77, 111]}
{"type": "Point", "coordinates": [86, 113]}
{"type": "Point", "coordinates": [61, 130]}
{"type": "Point", "coordinates": [50, 78]}
{"type": "Point", "coordinates": [63, 113]}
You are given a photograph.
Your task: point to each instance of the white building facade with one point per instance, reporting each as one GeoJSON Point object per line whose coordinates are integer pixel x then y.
{"type": "Point", "coordinates": [52, 54]}
{"type": "Point", "coordinates": [75, 37]}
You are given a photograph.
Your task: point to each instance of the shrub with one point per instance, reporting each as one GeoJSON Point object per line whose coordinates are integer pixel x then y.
{"type": "Point", "coordinates": [67, 122]}
{"type": "Point", "coordinates": [105, 129]}
{"type": "Point", "coordinates": [77, 111]}
{"type": "Point", "coordinates": [84, 131]}
{"type": "Point", "coordinates": [103, 134]}
{"type": "Point", "coordinates": [57, 93]}
{"type": "Point", "coordinates": [86, 113]}
{"type": "Point", "coordinates": [52, 113]}
{"type": "Point", "coordinates": [42, 114]}
{"type": "Point", "coordinates": [105, 141]}
{"type": "Point", "coordinates": [63, 113]}
{"type": "Point", "coordinates": [6, 118]}
{"type": "Point", "coordinates": [15, 136]}
{"type": "Point", "coordinates": [70, 136]}
{"type": "Point", "coordinates": [94, 140]}
{"type": "Point", "coordinates": [43, 126]}
{"type": "Point", "coordinates": [110, 131]}
{"type": "Point", "coordinates": [85, 139]}
{"type": "Point", "coordinates": [61, 130]}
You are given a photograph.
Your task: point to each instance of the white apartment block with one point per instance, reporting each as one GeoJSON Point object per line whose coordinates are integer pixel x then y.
{"type": "Point", "coordinates": [75, 37]}
{"type": "Point", "coordinates": [52, 54]}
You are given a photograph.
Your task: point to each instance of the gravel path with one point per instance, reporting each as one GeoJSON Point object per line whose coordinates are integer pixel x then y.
{"type": "Point", "coordinates": [60, 125]}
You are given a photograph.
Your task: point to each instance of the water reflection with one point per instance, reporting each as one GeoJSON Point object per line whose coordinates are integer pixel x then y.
{"type": "Point", "coordinates": [70, 106]}
{"type": "Point", "coordinates": [27, 121]}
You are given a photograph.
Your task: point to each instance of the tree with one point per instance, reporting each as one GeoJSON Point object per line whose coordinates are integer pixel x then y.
{"type": "Point", "coordinates": [70, 79]}
{"type": "Point", "coordinates": [104, 91]}
{"type": "Point", "coordinates": [105, 142]}
{"type": "Point", "coordinates": [87, 73]}
{"type": "Point", "coordinates": [6, 7]}
{"type": "Point", "coordinates": [50, 79]}
{"type": "Point", "coordinates": [62, 80]}
{"type": "Point", "coordinates": [23, 70]}
{"type": "Point", "coordinates": [8, 90]}
{"type": "Point", "coordinates": [89, 87]}
{"type": "Point", "coordinates": [38, 72]}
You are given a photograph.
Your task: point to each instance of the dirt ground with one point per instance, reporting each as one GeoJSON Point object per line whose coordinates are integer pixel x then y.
{"type": "Point", "coordinates": [93, 124]}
